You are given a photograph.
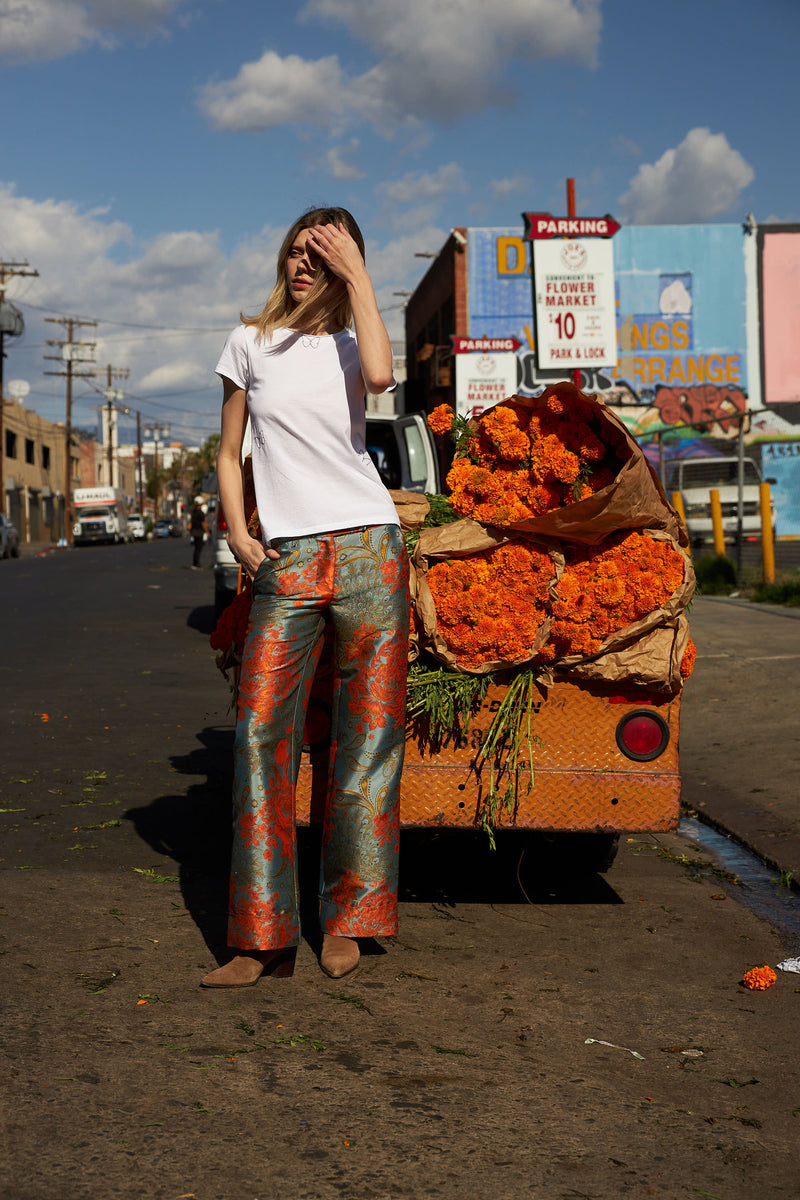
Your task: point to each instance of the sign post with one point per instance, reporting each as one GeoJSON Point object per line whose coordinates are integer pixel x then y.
{"type": "Point", "coordinates": [573, 289]}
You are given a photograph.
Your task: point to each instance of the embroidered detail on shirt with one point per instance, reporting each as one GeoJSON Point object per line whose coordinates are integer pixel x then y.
{"type": "Point", "coordinates": [259, 439]}
{"type": "Point", "coordinates": [309, 341]}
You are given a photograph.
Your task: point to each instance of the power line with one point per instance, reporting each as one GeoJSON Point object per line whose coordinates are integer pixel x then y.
{"type": "Point", "coordinates": [135, 324]}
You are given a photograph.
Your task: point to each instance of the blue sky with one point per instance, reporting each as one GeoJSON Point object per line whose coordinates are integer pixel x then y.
{"type": "Point", "coordinates": [154, 151]}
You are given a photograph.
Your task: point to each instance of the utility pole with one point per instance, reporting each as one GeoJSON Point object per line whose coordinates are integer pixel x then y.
{"type": "Point", "coordinates": [71, 352]}
{"type": "Point", "coordinates": [157, 430]}
{"type": "Point", "coordinates": [139, 463]}
{"type": "Point", "coordinates": [11, 325]}
{"type": "Point", "coordinates": [111, 396]}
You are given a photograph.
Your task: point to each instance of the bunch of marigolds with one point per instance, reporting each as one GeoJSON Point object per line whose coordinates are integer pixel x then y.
{"type": "Point", "coordinates": [520, 463]}
{"type": "Point", "coordinates": [521, 602]}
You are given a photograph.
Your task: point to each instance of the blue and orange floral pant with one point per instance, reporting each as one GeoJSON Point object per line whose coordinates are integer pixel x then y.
{"type": "Point", "coordinates": [355, 584]}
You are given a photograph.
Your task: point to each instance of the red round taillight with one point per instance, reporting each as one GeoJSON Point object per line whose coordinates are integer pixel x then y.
{"type": "Point", "coordinates": [642, 735]}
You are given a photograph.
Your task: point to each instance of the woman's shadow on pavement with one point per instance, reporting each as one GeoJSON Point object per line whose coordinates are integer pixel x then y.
{"type": "Point", "coordinates": [443, 867]}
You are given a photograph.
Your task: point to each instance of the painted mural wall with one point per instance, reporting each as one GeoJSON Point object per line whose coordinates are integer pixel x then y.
{"type": "Point", "coordinates": [780, 313]}
{"type": "Point", "coordinates": [682, 303]}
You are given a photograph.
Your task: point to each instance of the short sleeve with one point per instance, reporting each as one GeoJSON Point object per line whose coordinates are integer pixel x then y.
{"type": "Point", "coordinates": [233, 362]}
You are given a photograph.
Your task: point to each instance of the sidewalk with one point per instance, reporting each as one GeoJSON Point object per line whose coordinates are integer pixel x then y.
{"type": "Point", "coordinates": [739, 721]}
{"type": "Point", "coordinates": [34, 549]}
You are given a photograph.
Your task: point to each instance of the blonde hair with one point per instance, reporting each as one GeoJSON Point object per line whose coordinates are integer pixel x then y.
{"type": "Point", "coordinates": [326, 300]}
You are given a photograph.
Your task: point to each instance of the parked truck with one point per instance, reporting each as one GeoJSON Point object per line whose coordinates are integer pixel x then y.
{"type": "Point", "coordinates": [605, 760]}
{"type": "Point", "coordinates": [100, 516]}
{"type": "Point", "coordinates": [694, 478]}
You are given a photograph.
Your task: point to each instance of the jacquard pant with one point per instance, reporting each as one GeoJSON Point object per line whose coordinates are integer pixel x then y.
{"type": "Point", "coordinates": [357, 582]}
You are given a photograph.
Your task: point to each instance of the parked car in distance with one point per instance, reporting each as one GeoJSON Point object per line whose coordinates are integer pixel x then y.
{"type": "Point", "coordinates": [226, 568]}
{"type": "Point", "coordinates": [695, 477]}
{"type": "Point", "coordinates": [175, 527]}
{"type": "Point", "coordinates": [161, 528]}
{"type": "Point", "coordinates": [136, 525]}
{"type": "Point", "coordinates": [403, 450]}
{"type": "Point", "coordinates": [9, 538]}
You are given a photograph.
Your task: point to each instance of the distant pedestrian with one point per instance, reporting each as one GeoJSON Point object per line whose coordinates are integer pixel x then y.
{"type": "Point", "coordinates": [198, 528]}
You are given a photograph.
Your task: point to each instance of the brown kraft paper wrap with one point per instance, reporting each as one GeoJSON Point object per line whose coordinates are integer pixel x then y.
{"type": "Point", "coordinates": [644, 651]}
{"type": "Point", "coordinates": [634, 500]}
{"type": "Point", "coordinates": [652, 660]}
{"type": "Point", "coordinates": [459, 540]}
{"type": "Point", "coordinates": [412, 508]}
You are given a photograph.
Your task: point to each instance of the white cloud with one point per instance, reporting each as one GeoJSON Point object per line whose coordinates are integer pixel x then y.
{"type": "Point", "coordinates": [44, 29]}
{"type": "Point", "coordinates": [440, 60]}
{"type": "Point", "coordinates": [177, 286]}
{"type": "Point", "coordinates": [338, 166]}
{"type": "Point", "coordinates": [447, 59]}
{"type": "Point", "coordinates": [506, 187]}
{"type": "Point", "coordinates": [163, 308]}
{"type": "Point", "coordinates": [697, 181]}
{"type": "Point", "coordinates": [424, 185]}
{"type": "Point", "coordinates": [277, 91]}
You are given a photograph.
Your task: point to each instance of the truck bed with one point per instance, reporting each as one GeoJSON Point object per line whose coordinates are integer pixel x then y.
{"type": "Point", "coordinates": [582, 779]}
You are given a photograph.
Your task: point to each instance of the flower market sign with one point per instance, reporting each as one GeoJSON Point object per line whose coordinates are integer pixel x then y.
{"type": "Point", "coordinates": [485, 377]}
{"type": "Point", "coordinates": [574, 303]}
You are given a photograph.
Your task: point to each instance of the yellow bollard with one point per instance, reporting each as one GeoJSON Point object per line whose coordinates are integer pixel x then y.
{"type": "Point", "coordinates": [767, 547]}
{"type": "Point", "coordinates": [716, 519]}
{"type": "Point", "coordinates": [677, 504]}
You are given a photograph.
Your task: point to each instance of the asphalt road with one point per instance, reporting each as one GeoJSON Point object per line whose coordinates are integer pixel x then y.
{"type": "Point", "coordinates": [521, 1037]}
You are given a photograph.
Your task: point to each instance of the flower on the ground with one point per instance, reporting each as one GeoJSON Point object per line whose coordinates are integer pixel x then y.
{"type": "Point", "coordinates": [758, 979]}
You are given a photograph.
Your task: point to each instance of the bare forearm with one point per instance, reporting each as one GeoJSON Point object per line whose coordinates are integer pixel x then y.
{"type": "Point", "coordinates": [246, 550]}
{"type": "Point", "coordinates": [231, 493]}
{"type": "Point", "coordinates": [374, 347]}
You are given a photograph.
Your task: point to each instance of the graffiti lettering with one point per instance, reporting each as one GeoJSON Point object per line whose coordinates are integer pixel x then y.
{"type": "Point", "coordinates": [659, 336]}
{"type": "Point", "coordinates": [708, 406]}
{"type": "Point", "coordinates": [691, 369]}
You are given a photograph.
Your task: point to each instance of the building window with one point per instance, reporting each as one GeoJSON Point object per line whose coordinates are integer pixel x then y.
{"type": "Point", "coordinates": [29, 456]}
{"type": "Point", "coordinates": [11, 444]}
{"type": "Point", "coordinates": [45, 458]}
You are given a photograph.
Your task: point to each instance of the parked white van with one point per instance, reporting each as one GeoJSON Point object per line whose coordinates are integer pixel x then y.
{"type": "Point", "coordinates": [695, 477]}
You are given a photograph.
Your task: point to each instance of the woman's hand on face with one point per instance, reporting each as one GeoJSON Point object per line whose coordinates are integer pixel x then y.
{"type": "Point", "coordinates": [250, 554]}
{"type": "Point", "coordinates": [338, 251]}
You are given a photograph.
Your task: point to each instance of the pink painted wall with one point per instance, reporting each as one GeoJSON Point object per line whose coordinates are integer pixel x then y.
{"type": "Point", "coordinates": [781, 317]}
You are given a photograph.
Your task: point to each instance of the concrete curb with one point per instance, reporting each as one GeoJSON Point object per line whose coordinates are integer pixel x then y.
{"type": "Point", "coordinates": [777, 610]}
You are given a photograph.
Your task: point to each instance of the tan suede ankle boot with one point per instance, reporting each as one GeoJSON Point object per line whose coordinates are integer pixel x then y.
{"type": "Point", "coordinates": [339, 956]}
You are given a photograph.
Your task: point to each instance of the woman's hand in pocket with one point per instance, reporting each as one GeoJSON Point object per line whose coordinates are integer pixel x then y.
{"type": "Point", "coordinates": [250, 554]}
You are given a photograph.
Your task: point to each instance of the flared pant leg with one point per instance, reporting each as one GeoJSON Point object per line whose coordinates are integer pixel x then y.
{"type": "Point", "coordinates": [281, 651]}
{"type": "Point", "coordinates": [358, 581]}
{"type": "Point", "coordinates": [361, 834]}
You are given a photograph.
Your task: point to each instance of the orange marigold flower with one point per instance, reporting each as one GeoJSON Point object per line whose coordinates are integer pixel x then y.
{"type": "Point", "coordinates": [231, 627]}
{"type": "Point", "coordinates": [758, 979]}
{"type": "Point", "coordinates": [602, 589]}
{"type": "Point", "coordinates": [441, 419]}
{"type": "Point", "coordinates": [490, 605]}
{"type": "Point", "coordinates": [687, 662]}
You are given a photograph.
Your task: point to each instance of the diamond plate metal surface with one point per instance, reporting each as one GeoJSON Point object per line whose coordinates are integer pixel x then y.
{"type": "Point", "coordinates": [582, 780]}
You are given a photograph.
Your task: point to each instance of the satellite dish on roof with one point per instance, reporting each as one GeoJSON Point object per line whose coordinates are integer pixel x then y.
{"type": "Point", "coordinates": [18, 389]}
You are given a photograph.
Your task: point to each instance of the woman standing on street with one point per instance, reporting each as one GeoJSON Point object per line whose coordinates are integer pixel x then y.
{"type": "Point", "coordinates": [331, 555]}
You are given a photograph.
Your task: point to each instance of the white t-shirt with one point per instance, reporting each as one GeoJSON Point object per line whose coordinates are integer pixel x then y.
{"type": "Point", "coordinates": [305, 396]}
